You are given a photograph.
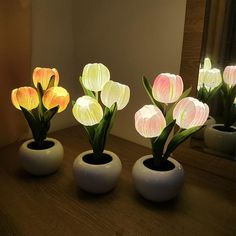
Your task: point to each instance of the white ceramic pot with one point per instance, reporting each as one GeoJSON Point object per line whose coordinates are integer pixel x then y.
{"type": "Point", "coordinates": [41, 162]}
{"type": "Point", "coordinates": [97, 178]}
{"type": "Point", "coordinates": [200, 133]}
{"type": "Point", "coordinates": [157, 185]}
{"type": "Point", "coordinates": [221, 141]}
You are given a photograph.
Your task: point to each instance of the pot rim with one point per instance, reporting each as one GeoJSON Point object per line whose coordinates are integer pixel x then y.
{"type": "Point", "coordinates": [172, 160]}
{"type": "Point", "coordinates": [27, 142]}
{"type": "Point", "coordinates": [113, 156]}
{"type": "Point", "coordinates": [220, 131]}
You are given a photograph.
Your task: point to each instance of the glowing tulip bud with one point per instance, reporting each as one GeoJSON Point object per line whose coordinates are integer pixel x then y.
{"type": "Point", "coordinates": [115, 92]}
{"type": "Point", "coordinates": [229, 75]}
{"type": "Point", "coordinates": [207, 64]}
{"type": "Point", "coordinates": [149, 121]}
{"type": "Point", "coordinates": [190, 112]}
{"type": "Point", "coordinates": [43, 75]}
{"type": "Point", "coordinates": [95, 76]}
{"type": "Point", "coordinates": [167, 88]}
{"type": "Point", "coordinates": [210, 78]}
{"type": "Point", "coordinates": [26, 97]}
{"type": "Point", "coordinates": [56, 96]}
{"type": "Point", "coordinates": [87, 111]}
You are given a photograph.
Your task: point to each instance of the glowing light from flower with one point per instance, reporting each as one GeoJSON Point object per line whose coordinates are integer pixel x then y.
{"type": "Point", "coordinates": [207, 64]}
{"type": "Point", "coordinates": [56, 96]}
{"type": "Point", "coordinates": [190, 112]}
{"type": "Point", "coordinates": [167, 88]}
{"type": "Point", "coordinates": [115, 92]}
{"type": "Point", "coordinates": [87, 111]}
{"type": "Point", "coordinates": [211, 78]}
{"type": "Point", "coordinates": [95, 76]}
{"type": "Point", "coordinates": [149, 121]}
{"type": "Point", "coordinates": [43, 75]}
{"type": "Point", "coordinates": [229, 75]}
{"type": "Point", "coordinates": [26, 97]}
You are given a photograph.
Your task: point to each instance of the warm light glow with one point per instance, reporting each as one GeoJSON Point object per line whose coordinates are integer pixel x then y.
{"type": "Point", "coordinates": [87, 111]}
{"type": "Point", "coordinates": [115, 92]}
{"type": "Point", "coordinates": [26, 97]}
{"type": "Point", "coordinates": [56, 96]}
{"type": "Point", "coordinates": [211, 78]}
{"type": "Point", "coordinates": [95, 76]}
{"type": "Point", "coordinates": [43, 75]}
{"type": "Point", "coordinates": [149, 121]}
{"type": "Point", "coordinates": [207, 64]}
{"type": "Point", "coordinates": [229, 75]}
{"type": "Point", "coordinates": [167, 88]}
{"type": "Point", "coordinates": [190, 112]}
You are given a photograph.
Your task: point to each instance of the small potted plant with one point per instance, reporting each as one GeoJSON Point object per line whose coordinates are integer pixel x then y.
{"type": "Point", "coordinates": [158, 176]}
{"type": "Point", "coordinates": [222, 137]}
{"type": "Point", "coordinates": [98, 170]}
{"type": "Point", "coordinates": [209, 83]}
{"type": "Point", "coordinates": [41, 155]}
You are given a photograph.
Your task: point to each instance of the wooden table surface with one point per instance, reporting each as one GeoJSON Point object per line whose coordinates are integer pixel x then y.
{"type": "Point", "coordinates": [53, 205]}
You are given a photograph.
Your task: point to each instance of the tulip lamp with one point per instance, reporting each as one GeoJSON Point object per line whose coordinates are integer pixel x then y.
{"type": "Point", "coordinates": [97, 170]}
{"type": "Point", "coordinates": [221, 138]}
{"type": "Point", "coordinates": [41, 155]}
{"type": "Point", "coordinates": [158, 176]}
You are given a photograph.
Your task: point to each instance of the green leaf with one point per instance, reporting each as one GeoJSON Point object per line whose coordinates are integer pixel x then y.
{"type": "Point", "coordinates": [169, 114]}
{"type": "Point", "coordinates": [148, 89]}
{"type": "Point", "coordinates": [86, 91]}
{"type": "Point", "coordinates": [213, 92]}
{"type": "Point", "coordinates": [102, 131]}
{"type": "Point", "coordinates": [73, 102]}
{"type": "Point", "coordinates": [51, 82]}
{"type": "Point", "coordinates": [113, 111]}
{"type": "Point", "coordinates": [50, 113]}
{"type": "Point", "coordinates": [159, 143]}
{"type": "Point", "coordinates": [179, 138]}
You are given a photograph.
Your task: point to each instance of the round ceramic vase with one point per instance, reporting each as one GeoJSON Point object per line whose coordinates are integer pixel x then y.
{"type": "Point", "coordinates": [97, 178]}
{"type": "Point", "coordinates": [200, 133]}
{"type": "Point", "coordinates": [220, 141]}
{"type": "Point", "coordinates": [156, 185]}
{"type": "Point", "coordinates": [41, 162]}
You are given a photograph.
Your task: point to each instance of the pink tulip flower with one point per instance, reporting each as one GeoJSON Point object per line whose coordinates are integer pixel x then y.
{"type": "Point", "coordinates": [167, 88]}
{"type": "Point", "coordinates": [149, 121]}
{"type": "Point", "coordinates": [229, 75]}
{"type": "Point", "coordinates": [26, 97]}
{"type": "Point", "coordinates": [190, 112]}
{"type": "Point", "coordinates": [43, 75]}
{"type": "Point", "coordinates": [55, 96]}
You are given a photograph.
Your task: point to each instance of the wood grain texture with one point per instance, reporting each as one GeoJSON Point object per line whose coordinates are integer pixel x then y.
{"type": "Point", "coordinates": [53, 205]}
{"type": "Point", "coordinates": [192, 42]}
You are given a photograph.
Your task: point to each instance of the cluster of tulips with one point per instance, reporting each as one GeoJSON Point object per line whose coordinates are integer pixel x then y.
{"type": "Point", "coordinates": [40, 104]}
{"type": "Point", "coordinates": [103, 97]}
{"type": "Point", "coordinates": [170, 106]}
{"type": "Point", "coordinates": [210, 82]}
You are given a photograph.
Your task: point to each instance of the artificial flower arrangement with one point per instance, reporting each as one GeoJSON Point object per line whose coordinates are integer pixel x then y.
{"type": "Point", "coordinates": [98, 170]}
{"type": "Point", "coordinates": [228, 94]}
{"type": "Point", "coordinates": [170, 106]}
{"type": "Point", "coordinates": [88, 111]}
{"type": "Point", "coordinates": [40, 104]}
{"type": "Point", "coordinates": [209, 81]}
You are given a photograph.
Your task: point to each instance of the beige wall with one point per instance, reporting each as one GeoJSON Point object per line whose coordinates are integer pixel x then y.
{"type": "Point", "coordinates": [133, 38]}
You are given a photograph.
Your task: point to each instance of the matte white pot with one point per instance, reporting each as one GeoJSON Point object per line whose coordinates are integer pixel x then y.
{"type": "Point", "coordinates": [157, 185]}
{"type": "Point", "coordinates": [221, 141]}
{"type": "Point", "coordinates": [200, 133]}
{"type": "Point", "coordinates": [41, 162]}
{"type": "Point", "coordinates": [97, 178]}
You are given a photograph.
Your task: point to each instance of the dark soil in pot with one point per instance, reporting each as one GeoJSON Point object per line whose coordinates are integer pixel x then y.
{"type": "Point", "coordinates": [166, 166]}
{"type": "Point", "coordinates": [224, 129]}
{"type": "Point", "coordinates": [89, 158]}
{"type": "Point", "coordinates": [46, 144]}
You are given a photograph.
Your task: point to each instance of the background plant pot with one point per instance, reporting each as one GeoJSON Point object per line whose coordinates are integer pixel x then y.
{"type": "Point", "coordinates": [157, 185]}
{"type": "Point", "coordinates": [221, 141]}
{"type": "Point", "coordinates": [97, 178]}
{"type": "Point", "coordinates": [200, 133]}
{"type": "Point", "coordinates": [41, 162]}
